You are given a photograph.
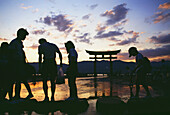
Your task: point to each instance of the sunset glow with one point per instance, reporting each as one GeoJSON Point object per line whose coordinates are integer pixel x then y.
{"type": "Point", "coordinates": [97, 25]}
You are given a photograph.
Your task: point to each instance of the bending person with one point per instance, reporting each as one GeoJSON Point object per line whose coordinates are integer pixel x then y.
{"type": "Point", "coordinates": [49, 67]}
{"type": "Point", "coordinates": [140, 70]}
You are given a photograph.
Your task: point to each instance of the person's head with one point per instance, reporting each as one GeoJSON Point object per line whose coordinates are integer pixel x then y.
{"type": "Point", "coordinates": [133, 51]}
{"type": "Point", "coordinates": [4, 46]}
{"type": "Point", "coordinates": [22, 33]}
{"type": "Point", "coordinates": [69, 45]}
{"type": "Point", "coordinates": [42, 40]}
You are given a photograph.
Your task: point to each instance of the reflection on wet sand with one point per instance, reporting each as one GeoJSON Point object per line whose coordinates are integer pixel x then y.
{"type": "Point", "coordinates": [85, 86]}
{"type": "Point", "coordinates": [86, 89]}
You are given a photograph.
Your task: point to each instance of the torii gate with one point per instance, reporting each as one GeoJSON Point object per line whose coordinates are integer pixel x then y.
{"type": "Point", "coordinates": [103, 54]}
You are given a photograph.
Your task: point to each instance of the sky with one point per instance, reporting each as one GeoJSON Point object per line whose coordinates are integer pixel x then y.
{"type": "Point", "coordinates": [96, 25]}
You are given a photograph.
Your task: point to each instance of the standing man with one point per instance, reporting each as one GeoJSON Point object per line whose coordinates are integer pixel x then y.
{"type": "Point", "coordinates": [72, 69]}
{"type": "Point", "coordinates": [49, 67]}
{"type": "Point", "coordinates": [140, 70]}
{"type": "Point", "coordinates": [18, 63]}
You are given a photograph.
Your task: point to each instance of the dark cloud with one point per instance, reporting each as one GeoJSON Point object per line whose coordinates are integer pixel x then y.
{"type": "Point", "coordinates": [161, 17]}
{"type": "Point", "coordinates": [38, 32]}
{"type": "Point", "coordinates": [86, 17]}
{"type": "Point", "coordinates": [109, 34]}
{"type": "Point", "coordinates": [92, 7]}
{"type": "Point", "coordinates": [117, 14]}
{"type": "Point", "coordinates": [58, 21]}
{"type": "Point", "coordinates": [161, 39]}
{"type": "Point", "coordinates": [163, 51]}
{"type": "Point", "coordinates": [76, 30]}
{"type": "Point", "coordinates": [130, 40]}
{"type": "Point", "coordinates": [150, 53]}
{"type": "Point", "coordinates": [100, 29]}
{"type": "Point", "coordinates": [113, 39]}
{"type": "Point", "coordinates": [84, 38]}
{"type": "Point", "coordinates": [61, 22]}
{"type": "Point", "coordinates": [120, 23]}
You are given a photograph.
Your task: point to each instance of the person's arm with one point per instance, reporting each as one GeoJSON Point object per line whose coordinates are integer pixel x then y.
{"type": "Point", "coordinates": [60, 56]}
{"type": "Point", "coordinates": [73, 62]}
{"type": "Point", "coordinates": [40, 62]}
{"type": "Point", "coordinates": [138, 65]}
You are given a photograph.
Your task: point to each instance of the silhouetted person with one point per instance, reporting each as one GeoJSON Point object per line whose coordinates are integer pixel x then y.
{"type": "Point", "coordinates": [72, 69]}
{"type": "Point", "coordinates": [18, 63]}
{"type": "Point", "coordinates": [140, 70]}
{"type": "Point", "coordinates": [4, 72]}
{"type": "Point", "coordinates": [49, 67]}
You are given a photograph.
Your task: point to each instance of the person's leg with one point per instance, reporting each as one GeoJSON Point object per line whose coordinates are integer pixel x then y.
{"type": "Point", "coordinates": [145, 85]}
{"type": "Point", "coordinates": [10, 90]}
{"type": "Point", "coordinates": [137, 90]}
{"type": "Point", "coordinates": [73, 87]}
{"type": "Point", "coordinates": [30, 95]}
{"type": "Point", "coordinates": [52, 89]}
{"type": "Point", "coordinates": [137, 85]}
{"type": "Point", "coordinates": [45, 88]}
{"type": "Point", "coordinates": [17, 89]}
{"type": "Point", "coordinates": [147, 90]}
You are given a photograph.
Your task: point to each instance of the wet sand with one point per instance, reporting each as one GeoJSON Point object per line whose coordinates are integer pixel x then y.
{"type": "Point", "coordinates": [86, 89]}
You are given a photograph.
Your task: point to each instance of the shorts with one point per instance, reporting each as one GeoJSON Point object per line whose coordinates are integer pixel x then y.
{"type": "Point", "coordinates": [49, 68]}
{"type": "Point", "coordinates": [141, 77]}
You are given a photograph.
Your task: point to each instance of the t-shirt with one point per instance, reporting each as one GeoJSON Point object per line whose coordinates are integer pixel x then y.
{"type": "Point", "coordinates": [139, 56]}
{"type": "Point", "coordinates": [17, 47]}
{"type": "Point", "coordinates": [48, 50]}
{"type": "Point", "coordinates": [73, 53]}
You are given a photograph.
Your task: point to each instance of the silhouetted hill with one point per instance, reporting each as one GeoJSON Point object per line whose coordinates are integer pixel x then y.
{"type": "Point", "coordinates": [104, 66]}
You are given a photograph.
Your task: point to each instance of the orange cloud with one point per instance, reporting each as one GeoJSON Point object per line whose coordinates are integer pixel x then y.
{"type": "Point", "coordinates": [164, 6]}
{"type": "Point", "coordinates": [3, 39]}
{"type": "Point", "coordinates": [24, 7]}
{"type": "Point", "coordinates": [160, 58]}
{"type": "Point", "coordinates": [158, 19]}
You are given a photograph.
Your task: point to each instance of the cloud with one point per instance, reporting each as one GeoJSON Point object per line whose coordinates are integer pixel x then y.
{"type": "Point", "coordinates": [34, 46]}
{"type": "Point", "coordinates": [123, 22]}
{"type": "Point", "coordinates": [163, 15]}
{"type": "Point", "coordinates": [163, 51]}
{"type": "Point", "coordinates": [84, 38]}
{"type": "Point", "coordinates": [161, 18]}
{"type": "Point", "coordinates": [3, 39]}
{"type": "Point", "coordinates": [135, 35]}
{"type": "Point", "coordinates": [164, 6]}
{"type": "Point", "coordinates": [100, 29]}
{"type": "Point", "coordinates": [58, 21]}
{"type": "Point", "coordinates": [92, 7]}
{"type": "Point", "coordinates": [151, 53]}
{"type": "Point", "coordinates": [161, 39]}
{"type": "Point", "coordinates": [86, 17]}
{"type": "Point", "coordinates": [109, 34]}
{"type": "Point", "coordinates": [117, 14]}
{"type": "Point", "coordinates": [25, 7]}
{"type": "Point", "coordinates": [38, 32]}
{"type": "Point", "coordinates": [35, 10]}
{"type": "Point", "coordinates": [113, 39]}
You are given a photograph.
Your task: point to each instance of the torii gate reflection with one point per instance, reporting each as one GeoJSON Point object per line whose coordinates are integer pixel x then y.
{"type": "Point", "coordinates": [103, 54]}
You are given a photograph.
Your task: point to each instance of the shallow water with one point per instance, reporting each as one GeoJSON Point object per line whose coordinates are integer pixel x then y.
{"type": "Point", "coordinates": [85, 86]}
